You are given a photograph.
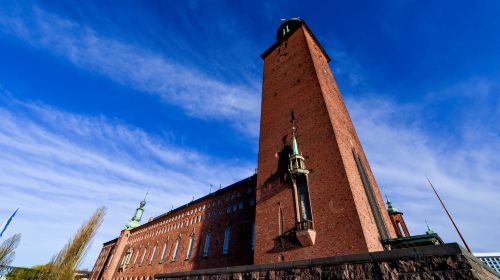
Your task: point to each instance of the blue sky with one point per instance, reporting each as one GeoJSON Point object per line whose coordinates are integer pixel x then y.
{"type": "Point", "coordinates": [100, 101]}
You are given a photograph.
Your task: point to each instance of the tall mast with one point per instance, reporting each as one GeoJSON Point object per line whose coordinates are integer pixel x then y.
{"type": "Point", "coordinates": [449, 215]}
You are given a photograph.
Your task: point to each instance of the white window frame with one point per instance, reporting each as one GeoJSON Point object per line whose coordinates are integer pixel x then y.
{"type": "Point", "coordinates": [164, 252]}
{"type": "Point", "coordinates": [190, 246]}
{"type": "Point", "coordinates": [176, 250]}
{"type": "Point", "coordinates": [153, 253]}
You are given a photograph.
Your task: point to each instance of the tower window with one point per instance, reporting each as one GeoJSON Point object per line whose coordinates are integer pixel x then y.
{"type": "Point", "coordinates": [227, 235]}
{"type": "Point", "coordinates": [253, 236]}
{"type": "Point", "coordinates": [304, 207]}
{"type": "Point", "coordinates": [207, 244]}
{"type": "Point", "coordinates": [280, 221]}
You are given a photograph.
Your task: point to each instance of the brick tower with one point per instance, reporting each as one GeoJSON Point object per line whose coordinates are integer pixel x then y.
{"type": "Point", "coordinates": [316, 194]}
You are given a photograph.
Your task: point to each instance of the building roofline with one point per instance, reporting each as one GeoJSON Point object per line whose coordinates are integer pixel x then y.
{"type": "Point", "coordinates": [109, 242]}
{"type": "Point", "coordinates": [284, 38]}
{"type": "Point", "coordinates": [216, 193]}
{"type": "Point", "coordinates": [493, 254]}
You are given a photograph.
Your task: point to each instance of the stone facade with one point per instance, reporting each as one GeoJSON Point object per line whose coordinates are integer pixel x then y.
{"type": "Point", "coordinates": [447, 261]}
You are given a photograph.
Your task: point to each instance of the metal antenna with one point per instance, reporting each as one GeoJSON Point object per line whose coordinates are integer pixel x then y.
{"type": "Point", "coordinates": [210, 188]}
{"type": "Point", "coordinates": [146, 194]}
{"type": "Point", "coordinates": [449, 216]}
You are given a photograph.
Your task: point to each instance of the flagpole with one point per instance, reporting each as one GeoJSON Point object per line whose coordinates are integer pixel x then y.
{"type": "Point", "coordinates": [449, 216]}
{"type": "Point", "coordinates": [7, 222]}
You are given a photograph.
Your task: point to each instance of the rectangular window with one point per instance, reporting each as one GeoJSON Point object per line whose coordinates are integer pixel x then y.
{"type": "Point", "coordinates": [176, 249]}
{"type": "Point", "coordinates": [144, 255]}
{"type": "Point", "coordinates": [164, 252]}
{"type": "Point", "coordinates": [153, 254]}
{"type": "Point", "coordinates": [129, 256]}
{"type": "Point", "coordinates": [227, 235]}
{"type": "Point", "coordinates": [122, 264]}
{"type": "Point", "coordinates": [253, 236]}
{"type": "Point", "coordinates": [207, 244]}
{"type": "Point", "coordinates": [190, 247]}
{"type": "Point", "coordinates": [280, 221]}
{"type": "Point", "coordinates": [136, 255]}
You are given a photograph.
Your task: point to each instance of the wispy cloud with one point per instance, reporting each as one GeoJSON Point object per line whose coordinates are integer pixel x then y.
{"type": "Point", "coordinates": [60, 166]}
{"type": "Point", "coordinates": [142, 69]}
{"type": "Point", "coordinates": [402, 153]}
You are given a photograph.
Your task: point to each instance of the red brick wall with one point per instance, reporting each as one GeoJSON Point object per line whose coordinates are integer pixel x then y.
{"type": "Point", "coordinates": [102, 260]}
{"type": "Point", "coordinates": [162, 228]}
{"type": "Point", "coordinates": [297, 77]}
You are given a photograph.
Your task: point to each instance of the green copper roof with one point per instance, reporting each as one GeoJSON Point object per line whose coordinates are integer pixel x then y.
{"type": "Point", "coordinates": [390, 208]}
{"type": "Point", "coordinates": [429, 229]}
{"type": "Point", "coordinates": [136, 219]}
{"type": "Point", "coordinates": [295, 145]}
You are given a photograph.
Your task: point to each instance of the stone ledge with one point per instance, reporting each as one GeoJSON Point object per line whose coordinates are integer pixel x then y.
{"type": "Point", "coordinates": [447, 261]}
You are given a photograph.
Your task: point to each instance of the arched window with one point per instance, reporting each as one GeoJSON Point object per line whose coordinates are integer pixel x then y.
{"type": "Point", "coordinates": [207, 244]}
{"type": "Point", "coordinates": [127, 258]}
{"type": "Point", "coordinates": [164, 251]}
{"type": "Point", "coordinates": [176, 249]}
{"type": "Point", "coordinates": [190, 246]}
{"type": "Point", "coordinates": [227, 235]}
{"type": "Point", "coordinates": [136, 255]}
{"type": "Point", "coordinates": [144, 254]}
{"type": "Point", "coordinates": [153, 253]}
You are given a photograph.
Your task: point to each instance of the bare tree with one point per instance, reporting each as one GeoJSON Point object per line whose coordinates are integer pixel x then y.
{"type": "Point", "coordinates": [64, 265]}
{"type": "Point", "coordinates": [7, 253]}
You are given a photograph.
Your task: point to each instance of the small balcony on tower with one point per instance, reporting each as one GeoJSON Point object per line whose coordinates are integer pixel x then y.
{"type": "Point", "coordinates": [305, 233]}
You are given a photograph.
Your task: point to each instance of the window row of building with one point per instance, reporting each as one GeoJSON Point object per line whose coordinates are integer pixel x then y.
{"type": "Point", "coordinates": [132, 259]}
{"type": "Point", "coordinates": [206, 216]}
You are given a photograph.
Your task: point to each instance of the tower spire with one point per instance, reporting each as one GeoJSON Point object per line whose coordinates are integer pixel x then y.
{"type": "Point", "coordinates": [390, 207]}
{"type": "Point", "coordinates": [136, 219]}
{"type": "Point", "coordinates": [429, 229]}
{"type": "Point", "coordinates": [295, 144]}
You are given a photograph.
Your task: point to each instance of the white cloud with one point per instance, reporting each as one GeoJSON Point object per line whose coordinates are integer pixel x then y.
{"type": "Point", "coordinates": [142, 69]}
{"type": "Point", "coordinates": [60, 167]}
{"type": "Point", "coordinates": [402, 153]}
